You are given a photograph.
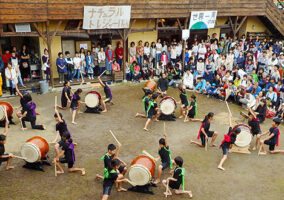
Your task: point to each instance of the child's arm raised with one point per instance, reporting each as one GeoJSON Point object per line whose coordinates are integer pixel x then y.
{"type": "Point", "coordinates": [230, 120]}
{"type": "Point", "coordinates": [166, 139]}
{"type": "Point", "coordinates": [6, 127]}
{"type": "Point", "coordinates": [101, 82]}
{"type": "Point", "coordinates": [117, 151]}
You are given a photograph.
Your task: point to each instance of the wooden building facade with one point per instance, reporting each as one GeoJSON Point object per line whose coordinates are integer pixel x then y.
{"type": "Point", "coordinates": [56, 23]}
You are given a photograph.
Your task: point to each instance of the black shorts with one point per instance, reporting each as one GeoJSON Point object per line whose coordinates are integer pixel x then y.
{"type": "Point", "coordinates": [63, 160]}
{"type": "Point", "coordinates": [150, 114]}
{"type": "Point", "coordinates": [271, 144]}
{"type": "Point", "coordinates": [259, 132]}
{"type": "Point", "coordinates": [202, 137]}
{"type": "Point", "coordinates": [64, 102]}
{"type": "Point", "coordinates": [190, 115]}
{"type": "Point", "coordinates": [107, 100]}
{"type": "Point", "coordinates": [225, 150]}
{"type": "Point", "coordinates": [107, 189]}
{"type": "Point", "coordinates": [165, 165]}
{"type": "Point", "coordinates": [121, 168]}
{"type": "Point", "coordinates": [174, 185]}
{"type": "Point", "coordinates": [4, 159]}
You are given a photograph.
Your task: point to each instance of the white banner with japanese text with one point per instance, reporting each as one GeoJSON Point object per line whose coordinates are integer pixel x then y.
{"type": "Point", "coordinates": [202, 19]}
{"type": "Point", "coordinates": [106, 17]}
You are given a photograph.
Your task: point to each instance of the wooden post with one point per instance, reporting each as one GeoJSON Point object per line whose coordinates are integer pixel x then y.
{"type": "Point", "coordinates": [49, 52]}
{"type": "Point", "coordinates": [124, 52]}
{"type": "Point", "coordinates": [1, 32]}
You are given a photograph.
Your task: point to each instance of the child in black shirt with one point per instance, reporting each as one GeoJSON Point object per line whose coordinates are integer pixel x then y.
{"type": "Point", "coordinates": [205, 133]}
{"type": "Point", "coordinates": [177, 180]}
{"type": "Point", "coordinates": [108, 94]}
{"type": "Point", "coordinates": [152, 111]}
{"type": "Point", "coordinates": [272, 139]}
{"type": "Point", "coordinates": [229, 139]}
{"type": "Point", "coordinates": [192, 110]}
{"type": "Point", "coordinates": [69, 155]}
{"type": "Point", "coordinates": [65, 95]}
{"type": "Point", "coordinates": [165, 156]}
{"type": "Point", "coordinates": [184, 102]}
{"type": "Point", "coordinates": [145, 101]}
{"type": "Point", "coordinates": [5, 157]}
{"type": "Point", "coordinates": [112, 176]}
{"type": "Point", "coordinates": [75, 104]}
{"type": "Point", "coordinates": [254, 124]}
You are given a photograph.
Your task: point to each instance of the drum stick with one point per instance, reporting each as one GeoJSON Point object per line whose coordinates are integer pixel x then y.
{"type": "Point", "coordinates": [228, 108]}
{"type": "Point", "coordinates": [114, 137]}
{"type": "Point", "coordinates": [164, 127]}
{"type": "Point", "coordinates": [19, 157]}
{"type": "Point", "coordinates": [147, 154]}
{"type": "Point", "coordinates": [131, 183]}
{"type": "Point", "coordinates": [55, 103]}
{"type": "Point", "coordinates": [55, 170]}
{"type": "Point", "coordinates": [102, 73]}
{"type": "Point", "coordinates": [206, 145]}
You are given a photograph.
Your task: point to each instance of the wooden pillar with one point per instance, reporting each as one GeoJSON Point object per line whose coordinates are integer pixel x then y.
{"type": "Point", "coordinates": [124, 53]}
{"type": "Point", "coordinates": [1, 31]}
{"type": "Point", "coordinates": [49, 52]}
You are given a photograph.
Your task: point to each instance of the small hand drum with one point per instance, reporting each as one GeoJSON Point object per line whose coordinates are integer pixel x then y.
{"type": "Point", "coordinates": [168, 105]}
{"type": "Point", "coordinates": [92, 99]}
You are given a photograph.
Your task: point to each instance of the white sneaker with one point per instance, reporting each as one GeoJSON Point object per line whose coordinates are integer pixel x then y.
{"type": "Point", "coordinates": [70, 81]}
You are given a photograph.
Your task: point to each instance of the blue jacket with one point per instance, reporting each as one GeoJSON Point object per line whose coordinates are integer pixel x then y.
{"type": "Point", "coordinates": [212, 90]}
{"type": "Point", "coordinates": [1, 63]}
{"type": "Point", "coordinates": [61, 63]}
{"type": "Point", "coordinates": [201, 85]}
{"type": "Point", "coordinates": [240, 61]}
{"type": "Point", "coordinates": [88, 63]}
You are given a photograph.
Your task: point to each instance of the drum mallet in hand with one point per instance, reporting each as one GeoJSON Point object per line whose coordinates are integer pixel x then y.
{"type": "Point", "coordinates": [228, 108]}
{"type": "Point", "coordinates": [102, 73]}
{"type": "Point", "coordinates": [147, 154]}
{"type": "Point", "coordinates": [19, 157]}
{"type": "Point", "coordinates": [114, 137]}
{"type": "Point", "coordinates": [131, 183]}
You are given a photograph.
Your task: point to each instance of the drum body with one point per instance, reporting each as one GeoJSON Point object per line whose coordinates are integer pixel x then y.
{"type": "Point", "coordinates": [142, 170]}
{"type": "Point", "coordinates": [244, 137]}
{"type": "Point", "coordinates": [151, 85]}
{"type": "Point", "coordinates": [35, 149]}
{"type": "Point", "coordinates": [9, 110]}
{"type": "Point", "coordinates": [93, 99]}
{"type": "Point", "coordinates": [168, 105]}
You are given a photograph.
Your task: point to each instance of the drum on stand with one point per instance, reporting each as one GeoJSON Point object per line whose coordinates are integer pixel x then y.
{"type": "Point", "coordinates": [142, 170]}
{"type": "Point", "coordinates": [243, 140]}
{"type": "Point", "coordinates": [168, 105]}
{"type": "Point", "coordinates": [92, 99]}
{"type": "Point", "coordinates": [35, 149]}
{"type": "Point", "coordinates": [151, 85]}
{"type": "Point", "coordinates": [9, 110]}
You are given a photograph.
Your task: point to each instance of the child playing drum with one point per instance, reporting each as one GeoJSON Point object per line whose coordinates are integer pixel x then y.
{"type": "Point", "coordinates": [152, 111]}
{"type": "Point", "coordinates": [61, 126]}
{"type": "Point", "coordinates": [229, 139]}
{"type": "Point", "coordinates": [75, 104]}
{"type": "Point", "coordinates": [177, 180]}
{"type": "Point", "coordinates": [111, 155]}
{"type": "Point", "coordinates": [112, 176]}
{"type": "Point", "coordinates": [5, 157]}
{"type": "Point", "coordinates": [272, 139]}
{"type": "Point", "coordinates": [66, 95]}
{"type": "Point", "coordinates": [254, 125]}
{"type": "Point", "coordinates": [145, 101]}
{"type": "Point", "coordinates": [184, 102]}
{"type": "Point", "coordinates": [165, 156]}
{"type": "Point", "coordinates": [108, 94]}
{"type": "Point", "coordinates": [69, 155]}
{"type": "Point", "coordinates": [205, 133]}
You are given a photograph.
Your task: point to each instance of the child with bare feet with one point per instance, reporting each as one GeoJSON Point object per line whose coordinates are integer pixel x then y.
{"type": "Point", "coordinates": [192, 110]}
{"type": "Point", "coordinates": [272, 139]}
{"type": "Point", "coordinates": [254, 125]}
{"type": "Point", "coordinates": [177, 180]}
{"type": "Point", "coordinates": [183, 101]}
{"type": "Point", "coordinates": [69, 155]}
{"type": "Point", "coordinates": [75, 104]}
{"type": "Point", "coordinates": [145, 102]}
{"type": "Point", "coordinates": [229, 139]}
{"type": "Point", "coordinates": [165, 156]}
{"type": "Point", "coordinates": [152, 111]}
{"type": "Point", "coordinates": [5, 157]}
{"type": "Point", "coordinates": [205, 133]}
{"type": "Point", "coordinates": [108, 94]}
{"type": "Point", "coordinates": [112, 176]}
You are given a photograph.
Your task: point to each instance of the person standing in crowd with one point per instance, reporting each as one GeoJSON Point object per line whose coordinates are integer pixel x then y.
{"type": "Point", "coordinates": [15, 64]}
{"type": "Point", "coordinates": [70, 66]}
{"type": "Point", "coordinates": [94, 53]}
{"type": "Point", "coordinates": [46, 65]}
{"type": "Point", "coordinates": [83, 62]}
{"type": "Point", "coordinates": [11, 78]}
{"type": "Point", "coordinates": [132, 52]}
{"type": "Point", "coordinates": [102, 61]}
{"type": "Point", "coordinates": [5, 58]}
{"type": "Point", "coordinates": [119, 54]}
{"type": "Point", "coordinates": [90, 65]}
{"type": "Point", "coordinates": [153, 54]}
{"type": "Point", "coordinates": [77, 66]}
{"type": "Point", "coordinates": [146, 55]}
{"type": "Point", "coordinates": [158, 51]}
{"type": "Point", "coordinates": [61, 67]}
{"type": "Point", "coordinates": [24, 63]}
{"type": "Point", "coordinates": [109, 59]}
{"type": "Point", "coordinates": [140, 53]}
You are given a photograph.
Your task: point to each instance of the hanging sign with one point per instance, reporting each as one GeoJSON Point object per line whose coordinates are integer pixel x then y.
{"type": "Point", "coordinates": [202, 19]}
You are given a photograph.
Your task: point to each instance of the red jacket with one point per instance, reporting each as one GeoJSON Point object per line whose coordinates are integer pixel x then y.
{"type": "Point", "coordinates": [6, 57]}
{"type": "Point", "coordinates": [119, 52]}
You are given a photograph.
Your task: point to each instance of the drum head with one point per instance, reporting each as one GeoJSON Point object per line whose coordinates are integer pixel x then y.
{"type": "Point", "coordinates": [2, 114]}
{"type": "Point", "coordinates": [167, 106]}
{"type": "Point", "coordinates": [244, 137]}
{"type": "Point", "coordinates": [92, 100]}
{"type": "Point", "coordinates": [31, 152]}
{"type": "Point", "coordinates": [139, 174]}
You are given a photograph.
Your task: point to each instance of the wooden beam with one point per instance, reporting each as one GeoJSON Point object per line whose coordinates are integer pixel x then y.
{"type": "Point", "coordinates": [236, 23]}
{"type": "Point", "coordinates": [124, 52]}
{"type": "Point", "coordinates": [120, 33]}
{"type": "Point", "coordinates": [149, 23]}
{"type": "Point", "coordinates": [157, 24]}
{"type": "Point", "coordinates": [79, 25]}
{"type": "Point", "coordinates": [56, 29]}
{"type": "Point", "coordinates": [137, 30]}
{"type": "Point", "coordinates": [130, 27]}
{"type": "Point", "coordinates": [232, 25]}
{"type": "Point", "coordinates": [1, 31]}
{"type": "Point", "coordinates": [11, 27]}
{"type": "Point", "coordinates": [179, 24]}
{"type": "Point", "coordinates": [40, 33]}
{"type": "Point", "coordinates": [15, 34]}
{"type": "Point", "coordinates": [49, 53]}
{"type": "Point", "coordinates": [186, 23]}
{"type": "Point", "coordinates": [243, 20]}
{"type": "Point", "coordinates": [169, 28]}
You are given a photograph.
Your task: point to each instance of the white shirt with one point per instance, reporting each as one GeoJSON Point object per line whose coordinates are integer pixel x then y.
{"type": "Point", "coordinates": [179, 49]}
{"type": "Point", "coordinates": [241, 73]}
{"type": "Point", "coordinates": [147, 51]}
{"type": "Point", "coordinates": [173, 54]}
{"type": "Point", "coordinates": [194, 50]}
{"type": "Point", "coordinates": [69, 60]}
{"type": "Point", "coordinates": [202, 50]}
{"type": "Point", "coordinates": [10, 74]}
{"type": "Point", "coordinates": [164, 48]}
{"type": "Point", "coordinates": [158, 48]}
{"type": "Point", "coordinates": [188, 80]}
{"type": "Point", "coordinates": [101, 57]}
{"type": "Point", "coordinates": [77, 62]}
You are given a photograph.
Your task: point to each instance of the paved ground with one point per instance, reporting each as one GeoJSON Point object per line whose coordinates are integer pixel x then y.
{"type": "Point", "coordinates": [247, 177]}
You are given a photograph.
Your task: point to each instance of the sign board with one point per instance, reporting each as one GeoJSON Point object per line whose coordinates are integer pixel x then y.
{"type": "Point", "coordinates": [202, 19]}
{"type": "Point", "coordinates": [84, 46]}
{"type": "Point", "coordinates": [23, 28]}
{"type": "Point", "coordinates": [106, 17]}
{"type": "Point", "coordinates": [185, 34]}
